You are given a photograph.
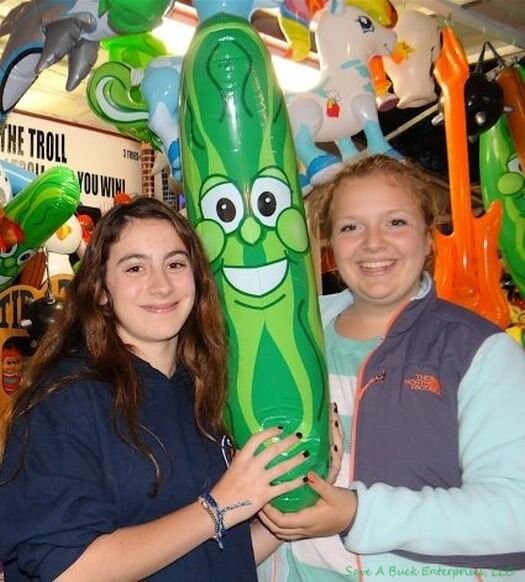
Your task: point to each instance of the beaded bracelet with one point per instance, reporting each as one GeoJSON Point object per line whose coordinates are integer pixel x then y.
{"type": "Point", "coordinates": [212, 508]}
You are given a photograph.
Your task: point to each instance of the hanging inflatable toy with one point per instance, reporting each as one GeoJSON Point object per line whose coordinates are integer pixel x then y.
{"type": "Point", "coordinates": [60, 245]}
{"type": "Point", "coordinates": [38, 210]}
{"type": "Point", "coordinates": [136, 50]}
{"type": "Point", "coordinates": [484, 102]}
{"type": "Point", "coordinates": [42, 32]}
{"type": "Point", "coordinates": [483, 98]}
{"type": "Point", "coordinates": [113, 89]}
{"type": "Point", "coordinates": [295, 17]}
{"type": "Point", "coordinates": [343, 102]}
{"type": "Point", "coordinates": [503, 179]}
{"type": "Point", "coordinates": [243, 197]}
{"type": "Point", "coordinates": [142, 103]}
{"type": "Point", "coordinates": [467, 269]}
{"type": "Point", "coordinates": [409, 66]}
{"type": "Point", "coordinates": [294, 20]}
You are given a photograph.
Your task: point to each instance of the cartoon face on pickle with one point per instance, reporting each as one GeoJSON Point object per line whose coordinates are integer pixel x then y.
{"type": "Point", "coordinates": [512, 184]}
{"type": "Point", "coordinates": [12, 260]}
{"type": "Point", "coordinates": [253, 238]}
{"type": "Point", "coordinates": [511, 188]}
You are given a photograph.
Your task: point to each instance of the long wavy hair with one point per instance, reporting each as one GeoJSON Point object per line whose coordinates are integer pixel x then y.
{"type": "Point", "coordinates": [404, 175]}
{"type": "Point", "coordinates": [88, 321]}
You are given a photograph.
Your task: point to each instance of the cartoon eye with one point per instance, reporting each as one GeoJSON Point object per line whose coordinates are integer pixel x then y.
{"type": "Point", "coordinates": [9, 253]}
{"type": "Point", "coordinates": [223, 204]}
{"type": "Point", "coordinates": [25, 256]}
{"type": "Point", "coordinates": [365, 23]}
{"type": "Point", "coordinates": [513, 165]}
{"type": "Point", "coordinates": [269, 197]}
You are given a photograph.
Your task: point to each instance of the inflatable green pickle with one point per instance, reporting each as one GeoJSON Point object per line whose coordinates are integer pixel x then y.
{"type": "Point", "coordinates": [39, 209]}
{"type": "Point", "coordinates": [503, 179]}
{"type": "Point", "coordinates": [243, 196]}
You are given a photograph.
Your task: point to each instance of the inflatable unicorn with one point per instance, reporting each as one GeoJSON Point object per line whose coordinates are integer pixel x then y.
{"type": "Point", "coordinates": [417, 51]}
{"type": "Point", "coordinates": [343, 102]}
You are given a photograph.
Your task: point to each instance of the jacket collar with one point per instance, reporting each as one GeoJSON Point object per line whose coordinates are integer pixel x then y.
{"type": "Point", "coordinates": [334, 304]}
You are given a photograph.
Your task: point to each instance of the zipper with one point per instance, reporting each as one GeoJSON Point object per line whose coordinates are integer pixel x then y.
{"type": "Point", "coordinates": [360, 391]}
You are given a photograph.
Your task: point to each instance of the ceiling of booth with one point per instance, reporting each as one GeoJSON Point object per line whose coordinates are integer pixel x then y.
{"type": "Point", "coordinates": [501, 21]}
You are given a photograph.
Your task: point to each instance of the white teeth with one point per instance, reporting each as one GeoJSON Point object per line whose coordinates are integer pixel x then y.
{"type": "Point", "coordinates": [256, 280]}
{"type": "Point", "coordinates": [376, 264]}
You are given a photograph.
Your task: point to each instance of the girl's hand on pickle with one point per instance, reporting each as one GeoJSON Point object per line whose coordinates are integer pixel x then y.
{"type": "Point", "coordinates": [333, 513]}
{"type": "Point", "coordinates": [248, 480]}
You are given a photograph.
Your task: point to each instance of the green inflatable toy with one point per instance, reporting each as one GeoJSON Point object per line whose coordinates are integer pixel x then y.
{"type": "Point", "coordinates": [243, 196]}
{"type": "Point", "coordinates": [39, 209]}
{"type": "Point", "coordinates": [136, 50]}
{"type": "Point", "coordinates": [503, 179]}
{"type": "Point", "coordinates": [113, 96]}
{"type": "Point", "coordinates": [125, 17]}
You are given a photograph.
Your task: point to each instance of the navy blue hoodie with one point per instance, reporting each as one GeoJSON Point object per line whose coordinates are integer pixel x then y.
{"type": "Point", "coordinates": [80, 480]}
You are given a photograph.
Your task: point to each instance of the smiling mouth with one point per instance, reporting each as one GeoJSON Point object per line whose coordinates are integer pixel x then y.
{"type": "Point", "coordinates": [375, 266]}
{"type": "Point", "coordinates": [256, 281]}
{"type": "Point", "coordinates": [160, 308]}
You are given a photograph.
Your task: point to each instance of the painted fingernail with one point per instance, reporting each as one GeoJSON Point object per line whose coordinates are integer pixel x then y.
{"type": "Point", "coordinates": [336, 424]}
{"type": "Point", "coordinates": [299, 435]}
{"type": "Point", "coordinates": [335, 407]}
{"type": "Point", "coordinates": [280, 427]}
{"type": "Point", "coordinates": [305, 479]}
{"type": "Point", "coordinates": [306, 453]}
{"type": "Point", "coordinates": [336, 448]}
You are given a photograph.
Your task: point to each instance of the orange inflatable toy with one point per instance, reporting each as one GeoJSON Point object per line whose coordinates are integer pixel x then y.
{"type": "Point", "coordinates": [467, 269]}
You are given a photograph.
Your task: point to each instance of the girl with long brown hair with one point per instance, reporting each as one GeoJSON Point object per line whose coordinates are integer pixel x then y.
{"type": "Point", "coordinates": [115, 455]}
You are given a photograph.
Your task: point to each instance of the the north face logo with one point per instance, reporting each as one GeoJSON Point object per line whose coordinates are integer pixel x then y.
{"type": "Point", "coordinates": [425, 382]}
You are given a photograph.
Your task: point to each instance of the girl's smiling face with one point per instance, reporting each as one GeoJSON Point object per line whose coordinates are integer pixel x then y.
{"type": "Point", "coordinates": [150, 281]}
{"type": "Point", "coordinates": [379, 239]}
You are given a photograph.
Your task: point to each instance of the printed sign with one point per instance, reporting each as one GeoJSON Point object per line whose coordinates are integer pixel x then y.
{"type": "Point", "coordinates": [106, 163]}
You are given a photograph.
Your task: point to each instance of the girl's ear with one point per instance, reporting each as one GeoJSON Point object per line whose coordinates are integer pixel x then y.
{"type": "Point", "coordinates": [429, 244]}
